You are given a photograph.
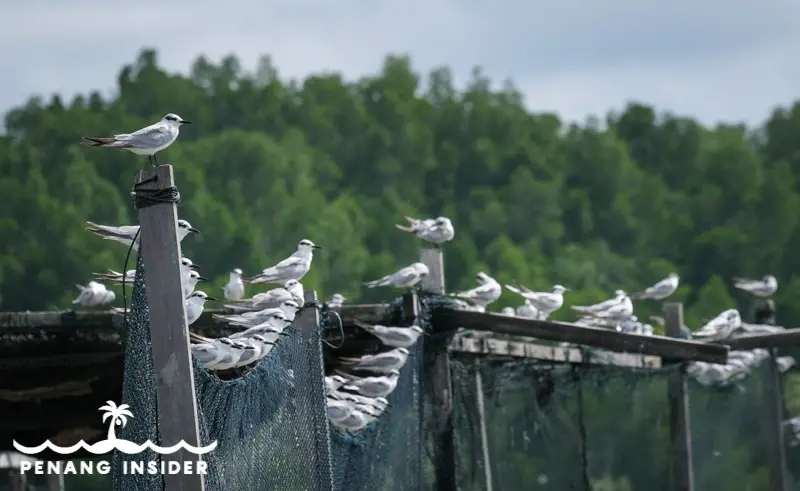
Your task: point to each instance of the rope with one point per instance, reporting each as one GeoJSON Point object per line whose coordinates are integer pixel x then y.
{"type": "Point", "coordinates": [142, 198]}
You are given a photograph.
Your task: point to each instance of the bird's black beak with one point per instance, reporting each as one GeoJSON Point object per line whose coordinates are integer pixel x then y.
{"type": "Point", "coordinates": [194, 266]}
{"type": "Point", "coordinates": [211, 298]}
{"type": "Point", "coordinates": [316, 247]}
{"type": "Point", "coordinates": [203, 278]}
{"type": "Point", "coordinates": [194, 230]}
{"type": "Point", "coordinates": [183, 121]}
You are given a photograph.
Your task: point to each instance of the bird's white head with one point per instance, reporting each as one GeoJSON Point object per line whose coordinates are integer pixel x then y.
{"type": "Point", "coordinates": [185, 228]}
{"type": "Point", "coordinates": [236, 272]}
{"type": "Point", "coordinates": [307, 246]}
{"type": "Point", "coordinates": [195, 276]}
{"type": "Point", "coordinates": [559, 290]}
{"type": "Point", "coordinates": [672, 276]}
{"type": "Point", "coordinates": [482, 277]}
{"type": "Point", "coordinates": [421, 269]}
{"type": "Point", "coordinates": [442, 222]}
{"type": "Point", "coordinates": [338, 378]}
{"type": "Point", "coordinates": [338, 297]}
{"type": "Point", "coordinates": [619, 294]}
{"type": "Point", "coordinates": [187, 263]}
{"type": "Point", "coordinates": [733, 315]}
{"type": "Point", "coordinates": [173, 120]}
{"type": "Point", "coordinates": [279, 318]}
{"type": "Point", "coordinates": [290, 284]}
{"type": "Point", "coordinates": [403, 350]}
{"type": "Point", "coordinates": [289, 306]}
{"type": "Point", "coordinates": [416, 329]}
{"type": "Point", "coordinates": [199, 297]}
{"type": "Point", "coordinates": [394, 372]}
{"type": "Point", "coordinates": [770, 280]}
{"type": "Point", "coordinates": [381, 400]}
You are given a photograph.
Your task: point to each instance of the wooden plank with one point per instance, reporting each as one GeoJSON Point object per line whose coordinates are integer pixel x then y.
{"type": "Point", "coordinates": [487, 465]}
{"type": "Point", "coordinates": [677, 349]}
{"type": "Point", "coordinates": [773, 399]}
{"type": "Point", "coordinates": [108, 319]}
{"type": "Point", "coordinates": [169, 334]}
{"type": "Point", "coordinates": [434, 260]}
{"type": "Point", "coordinates": [444, 445]}
{"type": "Point", "coordinates": [522, 348]}
{"type": "Point", "coordinates": [783, 339]}
{"type": "Point", "coordinates": [679, 419]}
{"type": "Point", "coordinates": [307, 324]}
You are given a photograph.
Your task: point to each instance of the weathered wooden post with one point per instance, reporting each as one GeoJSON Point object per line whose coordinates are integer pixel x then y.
{"type": "Point", "coordinates": [764, 313]}
{"type": "Point", "coordinates": [172, 359]}
{"type": "Point", "coordinates": [678, 394]}
{"type": "Point", "coordinates": [307, 324]}
{"type": "Point", "coordinates": [487, 463]}
{"type": "Point", "coordinates": [434, 259]}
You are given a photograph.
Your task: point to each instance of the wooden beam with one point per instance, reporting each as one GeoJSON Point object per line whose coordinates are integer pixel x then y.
{"type": "Point", "coordinates": [679, 419]}
{"type": "Point", "coordinates": [773, 397]}
{"type": "Point", "coordinates": [487, 463]}
{"type": "Point", "coordinates": [434, 260]}
{"type": "Point", "coordinates": [444, 444]}
{"type": "Point", "coordinates": [169, 334]}
{"type": "Point", "coordinates": [783, 339]}
{"type": "Point", "coordinates": [522, 347]}
{"type": "Point", "coordinates": [677, 349]}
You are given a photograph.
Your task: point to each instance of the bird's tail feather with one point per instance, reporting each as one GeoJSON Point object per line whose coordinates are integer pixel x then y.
{"type": "Point", "coordinates": [79, 287]}
{"type": "Point", "coordinates": [362, 325]}
{"type": "Point", "coordinates": [97, 142]}
{"type": "Point", "coordinates": [404, 228]}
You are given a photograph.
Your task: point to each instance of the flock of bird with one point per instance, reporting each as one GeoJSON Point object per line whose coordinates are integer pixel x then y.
{"type": "Point", "coordinates": [356, 393]}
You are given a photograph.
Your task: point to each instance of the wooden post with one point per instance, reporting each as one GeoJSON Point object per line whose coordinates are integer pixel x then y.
{"type": "Point", "coordinates": [764, 313]}
{"type": "Point", "coordinates": [172, 360]}
{"type": "Point", "coordinates": [678, 394]}
{"type": "Point", "coordinates": [55, 482]}
{"type": "Point", "coordinates": [487, 464]}
{"type": "Point", "coordinates": [434, 260]}
{"type": "Point", "coordinates": [307, 325]}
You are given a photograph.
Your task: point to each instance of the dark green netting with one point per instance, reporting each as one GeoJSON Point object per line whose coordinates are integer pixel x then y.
{"type": "Point", "coordinates": [730, 433]}
{"type": "Point", "coordinates": [270, 424]}
{"type": "Point", "coordinates": [561, 426]}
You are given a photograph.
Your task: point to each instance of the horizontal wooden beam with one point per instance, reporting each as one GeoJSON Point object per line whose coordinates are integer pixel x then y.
{"type": "Point", "coordinates": [783, 339]}
{"type": "Point", "coordinates": [108, 319]}
{"type": "Point", "coordinates": [523, 348]}
{"type": "Point", "coordinates": [673, 349]}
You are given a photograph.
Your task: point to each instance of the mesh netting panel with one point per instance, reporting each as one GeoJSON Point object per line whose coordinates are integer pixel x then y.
{"type": "Point", "coordinates": [626, 420]}
{"type": "Point", "coordinates": [729, 434]}
{"type": "Point", "coordinates": [561, 426]}
{"type": "Point", "coordinates": [532, 424]}
{"type": "Point", "coordinates": [270, 424]}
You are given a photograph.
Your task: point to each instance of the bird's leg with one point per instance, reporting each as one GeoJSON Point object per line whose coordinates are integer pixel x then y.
{"type": "Point", "coordinates": [155, 158]}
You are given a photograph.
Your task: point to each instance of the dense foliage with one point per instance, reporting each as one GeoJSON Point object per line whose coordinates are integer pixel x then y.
{"type": "Point", "coordinates": [597, 206]}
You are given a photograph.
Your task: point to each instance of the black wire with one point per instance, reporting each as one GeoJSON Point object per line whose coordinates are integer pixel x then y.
{"type": "Point", "coordinates": [142, 198]}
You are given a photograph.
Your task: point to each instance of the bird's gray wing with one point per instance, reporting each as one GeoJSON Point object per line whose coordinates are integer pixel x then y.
{"type": "Point", "coordinates": [289, 262]}
{"type": "Point", "coordinates": [150, 137]}
{"type": "Point", "coordinates": [404, 275]}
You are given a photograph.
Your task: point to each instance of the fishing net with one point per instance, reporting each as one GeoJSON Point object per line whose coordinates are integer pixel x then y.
{"type": "Point", "coordinates": [560, 426]}
{"type": "Point", "coordinates": [270, 424]}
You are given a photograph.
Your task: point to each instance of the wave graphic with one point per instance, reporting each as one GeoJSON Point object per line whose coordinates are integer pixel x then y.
{"type": "Point", "coordinates": [106, 446]}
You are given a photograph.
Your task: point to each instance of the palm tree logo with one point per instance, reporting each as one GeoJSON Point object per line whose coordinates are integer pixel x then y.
{"type": "Point", "coordinates": [119, 416]}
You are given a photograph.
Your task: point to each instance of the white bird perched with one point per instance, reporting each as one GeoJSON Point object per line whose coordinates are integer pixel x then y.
{"type": "Point", "coordinates": [291, 290]}
{"type": "Point", "coordinates": [720, 327]}
{"type": "Point", "coordinates": [619, 295]}
{"type": "Point", "coordinates": [660, 290]}
{"type": "Point", "coordinates": [527, 310]}
{"type": "Point", "coordinates": [293, 267]}
{"type": "Point", "coordinates": [275, 323]}
{"type": "Point", "coordinates": [545, 302]}
{"type": "Point", "coordinates": [435, 230]}
{"type": "Point", "coordinates": [354, 421]}
{"type": "Point", "coordinates": [379, 386]}
{"type": "Point", "coordinates": [94, 294]}
{"type": "Point", "coordinates": [262, 346]}
{"type": "Point", "coordinates": [618, 312]}
{"type": "Point", "coordinates": [339, 409]}
{"type": "Point", "coordinates": [249, 319]}
{"type": "Point", "coordinates": [190, 282]}
{"type": "Point", "coordinates": [194, 305]}
{"type": "Point", "coordinates": [509, 311]}
{"type": "Point", "coordinates": [218, 354]}
{"type": "Point", "coordinates": [336, 301]}
{"type": "Point", "coordinates": [379, 363]}
{"type": "Point", "coordinates": [765, 287]}
{"type": "Point", "coordinates": [333, 382]}
{"type": "Point", "coordinates": [396, 337]}
{"type": "Point", "coordinates": [236, 350]}
{"type": "Point", "coordinates": [126, 233]}
{"type": "Point", "coordinates": [403, 278]}
{"type": "Point", "coordinates": [146, 141]}
{"type": "Point", "coordinates": [487, 292]}
{"type": "Point", "coordinates": [234, 289]}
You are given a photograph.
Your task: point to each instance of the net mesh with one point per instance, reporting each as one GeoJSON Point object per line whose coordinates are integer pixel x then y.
{"type": "Point", "coordinates": [549, 426]}
{"type": "Point", "coordinates": [270, 424]}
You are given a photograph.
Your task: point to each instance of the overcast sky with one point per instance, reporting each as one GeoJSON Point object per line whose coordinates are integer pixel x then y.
{"type": "Point", "coordinates": [711, 59]}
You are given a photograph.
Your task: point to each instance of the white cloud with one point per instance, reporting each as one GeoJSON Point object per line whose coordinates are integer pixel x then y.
{"type": "Point", "coordinates": [714, 60]}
